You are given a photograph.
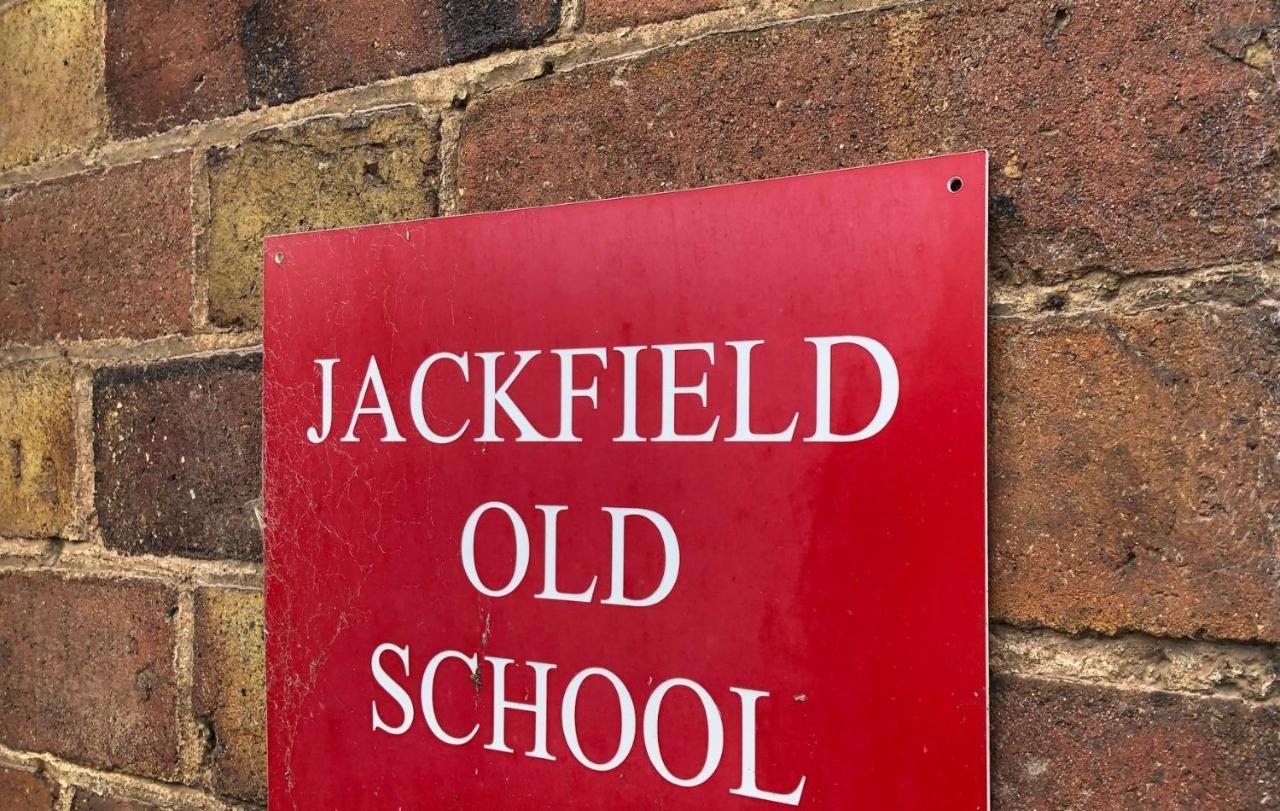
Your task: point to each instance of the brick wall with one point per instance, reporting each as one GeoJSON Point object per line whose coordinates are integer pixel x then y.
{"type": "Point", "coordinates": [146, 146]}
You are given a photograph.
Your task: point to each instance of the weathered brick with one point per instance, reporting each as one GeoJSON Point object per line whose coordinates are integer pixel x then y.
{"type": "Point", "coordinates": [37, 449]}
{"type": "Point", "coordinates": [177, 448]}
{"type": "Point", "coordinates": [86, 671]}
{"type": "Point", "coordinates": [1059, 745]}
{"type": "Point", "coordinates": [1135, 472]}
{"type": "Point", "coordinates": [50, 78]}
{"type": "Point", "coordinates": [229, 694]}
{"type": "Point", "coordinates": [86, 800]}
{"type": "Point", "coordinates": [98, 255]}
{"type": "Point", "coordinates": [602, 15]}
{"type": "Point", "coordinates": [1127, 135]}
{"type": "Point", "coordinates": [27, 790]}
{"type": "Point", "coordinates": [326, 173]}
{"type": "Point", "coordinates": [170, 63]}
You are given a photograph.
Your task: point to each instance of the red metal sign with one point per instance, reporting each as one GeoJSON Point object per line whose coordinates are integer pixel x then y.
{"type": "Point", "coordinates": [674, 501]}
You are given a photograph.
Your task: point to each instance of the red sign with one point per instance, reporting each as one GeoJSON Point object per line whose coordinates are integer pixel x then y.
{"type": "Point", "coordinates": [674, 501]}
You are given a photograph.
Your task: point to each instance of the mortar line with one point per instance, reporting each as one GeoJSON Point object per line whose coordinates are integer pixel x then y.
{"type": "Point", "coordinates": [1133, 276]}
{"type": "Point", "coordinates": [652, 38]}
{"type": "Point", "coordinates": [111, 351]}
{"type": "Point", "coordinates": [1264, 646]}
{"type": "Point", "coordinates": [103, 104]}
{"type": "Point", "coordinates": [201, 213]}
{"type": "Point", "coordinates": [1128, 687]}
{"type": "Point", "coordinates": [66, 797]}
{"type": "Point", "coordinates": [439, 86]}
{"type": "Point", "coordinates": [128, 786]}
{"type": "Point", "coordinates": [1010, 625]}
{"type": "Point", "coordinates": [450, 144]}
{"type": "Point", "coordinates": [1120, 291]}
{"type": "Point", "coordinates": [572, 17]}
{"type": "Point", "coordinates": [190, 745]}
{"type": "Point", "coordinates": [85, 560]}
{"type": "Point", "coordinates": [247, 576]}
{"type": "Point", "coordinates": [436, 85]}
{"type": "Point", "coordinates": [1054, 654]}
{"type": "Point", "coordinates": [1029, 314]}
{"type": "Point", "coordinates": [83, 485]}
{"type": "Point", "coordinates": [1011, 299]}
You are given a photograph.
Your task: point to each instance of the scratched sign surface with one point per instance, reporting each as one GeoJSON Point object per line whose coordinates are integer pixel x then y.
{"type": "Point", "coordinates": [674, 501]}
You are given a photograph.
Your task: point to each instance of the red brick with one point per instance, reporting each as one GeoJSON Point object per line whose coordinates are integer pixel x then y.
{"type": "Point", "coordinates": [1129, 135]}
{"type": "Point", "coordinates": [1135, 472]}
{"type": "Point", "coordinates": [86, 671]}
{"type": "Point", "coordinates": [229, 696]}
{"type": "Point", "coordinates": [98, 255]}
{"type": "Point", "coordinates": [27, 790]}
{"type": "Point", "coordinates": [1059, 745]}
{"type": "Point", "coordinates": [601, 15]}
{"type": "Point", "coordinates": [171, 63]}
{"type": "Point", "coordinates": [178, 448]}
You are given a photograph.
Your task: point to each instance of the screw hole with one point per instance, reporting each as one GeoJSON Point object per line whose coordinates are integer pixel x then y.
{"type": "Point", "coordinates": [279, 257]}
{"type": "Point", "coordinates": [954, 185]}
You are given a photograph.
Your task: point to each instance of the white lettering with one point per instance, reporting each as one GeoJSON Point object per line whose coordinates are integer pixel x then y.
{"type": "Point", "coordinates": [416, 406]}
{"type": "Point", "coordinates": [501, 704]}
{"type": "Point", "coordinates": [428, 695]}
{"type": "Point", "coordinates": [568, 393]}
{"type": "Point", "coordinates": [520, 535]}
{"type": "Point", "coordinates": [822, 408]}
{"type": "Point", "coordinates": [629, 354]}
{"type": "Point", "coordinates": [393, 689]}
{"type": "Point", "coordinates": [373, 377]}
{"type": "Point", "coordinates": [748, 788]}
{"type": "Point", "coordinates": [326, 401]}
{"type": "Point", "coordinates": [742, 420]}
{"type": "Point", "coordinates": [675, 414]}
{"type": "Point", "coordinates": [496, 396]}
{"type": "Point", "coordinates": [670, 391]}
{"type": "Point", "coordinates": [549, 589]}
{"type": "Point", "coordinates": [715, 733]}
{"type": "Point", "coordinates": [569, 719]}
{"type": "Point", "coordinates": [670, 556]}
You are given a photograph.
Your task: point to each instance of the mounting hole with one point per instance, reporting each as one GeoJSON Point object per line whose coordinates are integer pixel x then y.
{"type": "Point", "coordinates": [954, 185]}
{"type": "Point", "coordinates": [279, 257]}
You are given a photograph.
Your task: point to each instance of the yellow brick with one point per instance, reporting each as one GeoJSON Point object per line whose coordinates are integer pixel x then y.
{"type": "Point", "coordinates": [51, 99]}
{"type": "Point", "coordinates": [327, 173]}
{"type": "Point", "coordinates": [37, 449]}
{"type": "Point", "coordinates": [229, 694]}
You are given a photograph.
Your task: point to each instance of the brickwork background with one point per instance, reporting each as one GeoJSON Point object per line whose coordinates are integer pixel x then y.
{"type": "Point", "coordinates": [147, 146]}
